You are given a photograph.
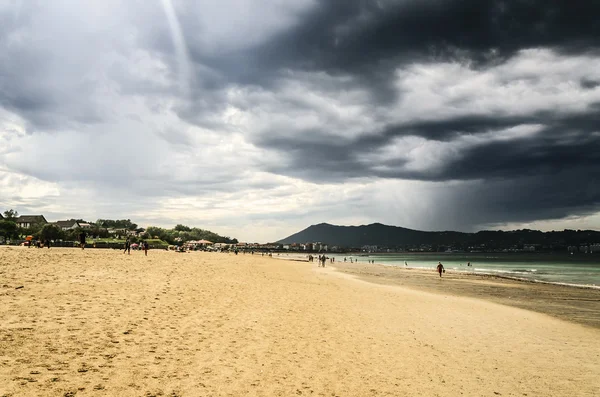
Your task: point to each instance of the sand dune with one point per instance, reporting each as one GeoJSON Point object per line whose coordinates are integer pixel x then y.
{"type": "Point", "coordinates": [97, 322]}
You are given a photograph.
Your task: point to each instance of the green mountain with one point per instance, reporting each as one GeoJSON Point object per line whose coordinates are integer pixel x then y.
{"type": "Point", "coordinates": [374, 234]}
{"type": "Point", "coordinates": [399, 237]}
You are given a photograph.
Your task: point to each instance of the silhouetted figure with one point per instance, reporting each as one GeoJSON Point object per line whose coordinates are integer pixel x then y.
{"type": "Point", "coordinates": [440, 268]}
{"type": "Point", "coordinates": [127, 246]}
{"type": "Point", "coordinates": [82, 240]}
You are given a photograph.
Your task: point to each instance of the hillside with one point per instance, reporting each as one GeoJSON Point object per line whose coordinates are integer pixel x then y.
{"type": "Point", "coordinates": [373, 234]}
{"type": "Point", "coordinates": [393, 236]}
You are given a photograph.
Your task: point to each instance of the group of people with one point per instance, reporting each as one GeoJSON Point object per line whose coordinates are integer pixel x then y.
{"type": "Point", "coordinates": [323, 258]}
{"type": "Point", "coordinates": [40, 244]}
{"type": "Point", "coordinates": [144, 245]}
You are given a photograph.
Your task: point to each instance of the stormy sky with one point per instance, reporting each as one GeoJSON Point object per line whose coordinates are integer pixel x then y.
{"type": "Point", "coordinates": [258, 118]}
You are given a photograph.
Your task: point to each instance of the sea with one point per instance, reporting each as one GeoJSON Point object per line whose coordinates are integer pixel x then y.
{"type": "Point", "coordinates": [582, 270]}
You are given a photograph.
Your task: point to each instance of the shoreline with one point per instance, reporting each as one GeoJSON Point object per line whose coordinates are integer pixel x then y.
{"type": "Point", "coordinates": [572, 303]}
{"type": "Point", "coordinates": [577, 304]}
{"type": "Point", "coordinates": [489, 274]}
{"type": "Point", "coordinates": [501, 277]}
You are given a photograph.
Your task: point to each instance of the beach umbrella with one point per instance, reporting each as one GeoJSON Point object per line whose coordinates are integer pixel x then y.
{"type": "Point", "coordinates": [29, 238]}
{"type": "Point", "coordinates": [134, 245]}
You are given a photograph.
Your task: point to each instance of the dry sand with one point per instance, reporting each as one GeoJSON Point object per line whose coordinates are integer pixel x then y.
{"type": "Point", "coordinates": [100, 323]}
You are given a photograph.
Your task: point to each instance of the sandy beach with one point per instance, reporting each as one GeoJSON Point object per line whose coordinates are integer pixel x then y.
{"type": "Point", "coordinates": [101, 323]}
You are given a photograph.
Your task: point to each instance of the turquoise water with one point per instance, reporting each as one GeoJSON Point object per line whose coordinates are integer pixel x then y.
{"type": "Point", "coordinates": [578, 269]}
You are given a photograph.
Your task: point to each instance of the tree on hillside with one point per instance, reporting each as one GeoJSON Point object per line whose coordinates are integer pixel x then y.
{"type": "Point", "coordinates": [160, 233]}
{"type": "Point", "coordinates": [98, 231]}
{"type": "Point", "coordinates": [117, 224]}
{"type": "Point", "coordinates": [182, 228]}
{"type": "Point", "coordinates": [182, 233]}
{"type": "Point", "coordinates": [10, 215]}
{"type": "Point", "coordinates": [50, 232]}
{"type": "Point", "coordinates": [72, 234]}
{"type": "Point", "coordinates": [9, 229]}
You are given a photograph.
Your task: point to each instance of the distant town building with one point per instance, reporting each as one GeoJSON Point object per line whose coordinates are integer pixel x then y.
{"type": "Point", "coordinates": [67, 225]}
{"type": "Point", "coordinates": [318, 246]}
{"type": "Point", "coordinates": [26, 221]}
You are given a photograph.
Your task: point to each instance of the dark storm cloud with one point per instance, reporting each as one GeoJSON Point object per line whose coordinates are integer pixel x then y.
{"type": "Point", "coordinates": [564, 142]}
{"type": "Point", "coordinates": [364, 36]}
{"type": "Point", "coordinates": [541, 155]}
{"type": "Point", "coordinates": [557, 195]}
{"type": "Point", "coordinates": [589, 84]}
{"type": "Point", "coordinates": [546, 175]}
{"type": "Point", "coordinates": [368, 40]}
{"type": "Point", "coordinates": [448, 129]}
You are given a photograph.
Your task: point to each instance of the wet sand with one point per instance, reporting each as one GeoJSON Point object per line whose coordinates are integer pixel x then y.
{"type": "Point", "coordinates": [580, 305]}
{"type": "Point", "coordinates": [100, 323]}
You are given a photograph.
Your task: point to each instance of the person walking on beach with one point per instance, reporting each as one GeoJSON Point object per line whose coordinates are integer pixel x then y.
{"type": "Point", "coordinates": [440, 268]}
{"type": "Point", "coordinates": [127, 246]}
{"type": "Point", "coordinates": [145, 245]}
{"type": "Point", "coordinates": [82, 240]}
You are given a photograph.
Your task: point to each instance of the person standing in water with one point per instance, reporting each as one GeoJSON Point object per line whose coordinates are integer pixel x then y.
{"type": "Point", "coordinates": [440, 268]}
